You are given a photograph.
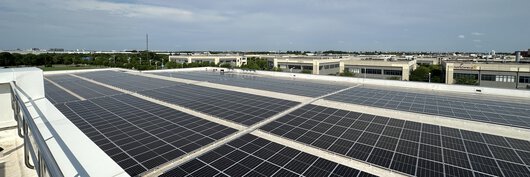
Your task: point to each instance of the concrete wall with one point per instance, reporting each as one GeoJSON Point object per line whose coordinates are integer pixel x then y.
{"type": "Point", "coordinates": [6, 115]}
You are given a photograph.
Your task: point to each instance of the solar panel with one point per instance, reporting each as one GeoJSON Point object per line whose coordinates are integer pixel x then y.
{"type": "Point", "coordinates": [127, 81]}
{"type": "Point", "coordinates": [57, 78]}
{"type": "Point", "coordinates": [140, 135]}
{"type": "Point", "coordinates": [409, 147]}
{"type": "Point", "coordinates": [289, 86]}
{"type": "Point", "coordinates": [253, 156]}
{"type": "Point", "coordinates": [57, 95]}
{"type": "Point", "coordinates": [81, 87]}
{"type": "Point", "coordinates": [238, 107]}
{"type": "Point", "coordinates": [489, 111]}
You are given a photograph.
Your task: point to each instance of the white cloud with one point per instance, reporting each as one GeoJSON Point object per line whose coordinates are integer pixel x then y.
{"type": "Point", "coordinates": [461, 36]}
{"type": "Point", "coordinates": [137, 10]}
{"type": "Point", "coordinates": [477, 40]}
{"type": "Point", "coordinates": [477, 34]}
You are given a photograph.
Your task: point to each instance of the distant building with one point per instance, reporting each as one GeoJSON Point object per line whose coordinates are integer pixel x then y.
{"type": "Point", "coordinates": [233, 60]}
{"type": "Point", "coordinates": [309, 64]}
{"type": "Point", "coordinates": [500, 75]}
{"type": "Point", "coordinates": [380, 69]}
{"type": "Point", "coordinates": [56, 50]}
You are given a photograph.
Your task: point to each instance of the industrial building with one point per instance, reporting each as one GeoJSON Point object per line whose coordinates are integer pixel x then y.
{"type": "Point", "coordinates": [309, 64]}
{"type": "Point", "coordinates": [199, 122]}
{"type": "Point", "coordinates": [233, 60]}
{"type": "Point", "coordinates": [493, 74]}
{"type": "Point", "coordinates": [380, 69]}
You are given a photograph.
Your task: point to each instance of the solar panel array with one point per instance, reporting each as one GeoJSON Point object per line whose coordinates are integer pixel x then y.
{"type": "Point", "coordinates": [409, 147]}
{"type": "Point", "coordinates": [126, 81]}
{"type": "Point", "coordinates": [238, 107]}
{"type": "Point", "coordinates": [289, 86]}
{"type": "Point", "coordinates": [253, 156]}
{"type": "Point", "coordinates": [140, 135]}
{"type": "Point", "coordinates": [81, 87]}
{"type": "Point", "coordinates": [57, 95]}
{"type": "Point", "coordinates": [496, 112]}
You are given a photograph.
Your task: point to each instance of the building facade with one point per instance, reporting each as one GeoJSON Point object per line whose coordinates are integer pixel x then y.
{"type": "Point", "coordinates": [233, 60]}
{"type": "Point", "coordinates": [380, 69]}
{"type": "Point", "coordinates": [499, 75]}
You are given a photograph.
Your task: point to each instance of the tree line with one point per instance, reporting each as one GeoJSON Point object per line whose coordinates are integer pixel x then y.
{"type": "Point", "coordinates": [137, 60]}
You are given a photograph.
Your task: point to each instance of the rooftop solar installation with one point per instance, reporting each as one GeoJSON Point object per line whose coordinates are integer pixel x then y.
{"type": "Point", "coordinates": [126, 81]}
{"type": "Point", "coordinates": [409, 147]}
{"type": "Point", "coordinates": [138, 134]}
{"type": "Point", "coordinates": [238, 107]}
{"type": "Point", "coordinates": [253, 156]}
{"type": "Point", "coordinates": [81, 87]}
{"type": "Point", "coordinates": [290, 86]}
{"type": "Point", "coordinates": [57, 95]}
{"type": "Point", "coordinates": [491, 111]}
{"type": "Point", "coordinates": [142, 132]}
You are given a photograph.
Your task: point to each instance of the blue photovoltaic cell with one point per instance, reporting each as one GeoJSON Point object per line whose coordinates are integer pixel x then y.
{"type": "Point", "coordinates": [290, 86]}
{"type": "Point", "coordinates": [253, 156]}
{"type": "Point", "coordinates": [408, 147]}
{"type": "Point", "coordinates": [490, 111]}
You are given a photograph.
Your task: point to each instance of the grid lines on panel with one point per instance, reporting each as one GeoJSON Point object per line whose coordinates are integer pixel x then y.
{"type": "Point", "coordinates": [83, 88]}
{"type": "Point", "coordinates": [489, 111]}
{"type": "Point", "coordinates": [409, 147]}
{"type": "Point", "coordinates": [126, 81]}
{"type": "Point", "coordinates": [253, 156]}
{"type": "Point", "coordinates": [57, 95]}
{"type": "Point", "coordinates": [140, 135]}
{"type": "Point", "coordinates": [238, 107]}
{"type": "Point", "coordinates": [295, 87]}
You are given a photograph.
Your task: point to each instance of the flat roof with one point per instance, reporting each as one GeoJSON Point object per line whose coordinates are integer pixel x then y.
{"type": "Point", "coordinates": [201, 122]}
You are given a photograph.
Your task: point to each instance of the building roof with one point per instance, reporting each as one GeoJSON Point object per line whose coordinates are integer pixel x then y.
{"type": "Point", "coordinates": [201, 122]}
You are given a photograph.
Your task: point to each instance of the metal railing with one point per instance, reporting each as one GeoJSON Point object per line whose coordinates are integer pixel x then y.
{"type": "Point", "coordinates": [34, 144]}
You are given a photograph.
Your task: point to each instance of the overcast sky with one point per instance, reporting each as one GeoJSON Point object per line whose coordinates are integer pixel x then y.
{"type": "Point", "coordinates": [351, 25]}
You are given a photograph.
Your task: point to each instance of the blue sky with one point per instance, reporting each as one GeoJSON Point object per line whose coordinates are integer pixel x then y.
{"type": "Point", "coordinates": [352, 25]}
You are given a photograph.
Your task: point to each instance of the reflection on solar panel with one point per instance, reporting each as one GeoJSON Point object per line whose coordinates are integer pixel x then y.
{"type": "Point", "coordinates": [253, 156]}
{"type": "Point", "coordinates": [57, 95]}
{"type": "Point", "coordinates": [463, 108]}
{"type": "Point", "coordinates": [81, 87]}
{"type": "Point", "coordinates": [127, 81]}
{"type": "Point", "coordinates": [409, 147]}
{"type": "Point", "coordinates": [295, 87]}
{"type": "Point", "coordinates": [61, 78]}
{"type": "Point", "coordinates": [234, 106]}
{"type": "Point", "coordinates": [138, 134]}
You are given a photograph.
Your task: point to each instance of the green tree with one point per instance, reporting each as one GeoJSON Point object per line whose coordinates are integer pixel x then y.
{"type": "Point", "coordinates": [420, 74]}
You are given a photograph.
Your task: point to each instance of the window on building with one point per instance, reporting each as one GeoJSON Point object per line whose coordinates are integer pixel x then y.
{"type": "Point", "coordinates": [308, 67]}
{"type": "Point", "coordinates": [487, 77]}
{"type": "Point", "coordinates": [393, 72]}
{"type": "Point", "coordinates": [465, 76]}
{"type": "Point", "coordinates": [371, 71]}
{"type": "Point", "coordinates": [356, 70]}
{"type": "Point", "coordinates": [524, 79]}
{"type": "Point", "coordinates": [295, 66]}
{"type": "Point", "coordinates": [500, 78]}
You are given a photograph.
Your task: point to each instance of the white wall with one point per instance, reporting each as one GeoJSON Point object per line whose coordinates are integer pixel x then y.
{"type": "Point", "coordinates": [6, 113]}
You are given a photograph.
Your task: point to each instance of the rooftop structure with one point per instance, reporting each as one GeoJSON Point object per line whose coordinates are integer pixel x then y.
{"type": "Point", "coordinates": [202, 122]}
